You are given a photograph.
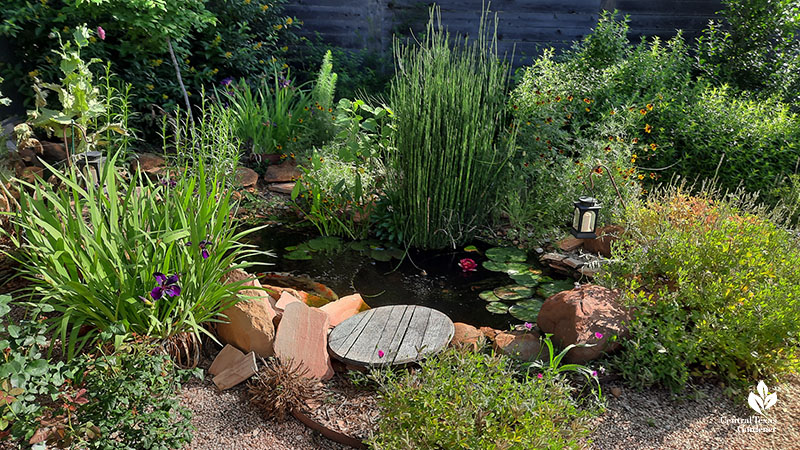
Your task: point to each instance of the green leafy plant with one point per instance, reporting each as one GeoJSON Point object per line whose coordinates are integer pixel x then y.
{"type": "Point", "coordinates": [473, 400]}
{"type": "Point", "coordinates": [554, 367]}
{"type": "Point", "coordinates": [270, 117]}
{"type": "Point", "coordinates": [146, 257]}
{"type": "Point", "coordinates": [711, 281]}
{"type": "Point", "coordinates": [450, 136]}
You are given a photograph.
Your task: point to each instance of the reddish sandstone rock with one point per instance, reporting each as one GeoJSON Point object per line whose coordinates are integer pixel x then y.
{"type": "Point", "coordinates": [246, 177]}
{"type": "Point", "coordinates": [282, 188]}
{"type": "Point", "coordinates": [465, 336]}
{"type": "Point", "coordinates": [602, 244]}
{"type": "Point", "coordinates": [285, 298]}
{"type": "Point", "coordinates": [524, 345]}
{"type": "Point", "coordinates": [149, 163]}
{"type": "Point", "coordinates": [569, 244]}
{"type": "Point", "coordinates": [303, 338]}
{"type": "Point", "coordinates": [226, 358]}
{"type": "Point", "coordinates": [30, 174]}
{"type": "Point", "coordinates": [344, 308]}
{"type": "Point", "coordinates": [282, 173]}
{"type": "Point", "coordinates": [588, 315]}
{"type": "Point", "coordinates": [489, 332]}
{"type": "Point", "coordinates": [249, 326]}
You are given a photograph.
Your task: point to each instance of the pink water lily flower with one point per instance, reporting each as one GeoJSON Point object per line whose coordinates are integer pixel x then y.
{"type": "Point", "coordinates": [468, 265]}
{"type": "Point", "coordinates": [101, 33]}
{"type": "Point", "coordinates": [598, 335]}
{"type": "Point", "coordinates": [528, 326]}
{"type": "Point", "coordinates": [380, 353]}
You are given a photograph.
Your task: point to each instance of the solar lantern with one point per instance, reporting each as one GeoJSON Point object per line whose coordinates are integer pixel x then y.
{"type": "Point", "coordinates": [584, 219]}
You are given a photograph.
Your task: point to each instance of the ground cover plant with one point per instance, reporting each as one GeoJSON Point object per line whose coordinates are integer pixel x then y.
{"type": "Point", "coordinates": [466, 399]}
{"type": "Point", "coordinates": [712, 282]}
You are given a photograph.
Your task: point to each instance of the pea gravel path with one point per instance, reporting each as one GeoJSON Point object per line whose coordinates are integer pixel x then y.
{"type": "Point", "coordinates": [653, 420]}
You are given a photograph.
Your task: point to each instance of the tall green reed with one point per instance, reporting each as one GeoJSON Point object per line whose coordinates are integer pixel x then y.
{"type": "Point", "coordinates": [452, 140]}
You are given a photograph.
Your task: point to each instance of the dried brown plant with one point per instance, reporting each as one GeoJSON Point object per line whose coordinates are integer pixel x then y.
{"type": "Point", "coordinates": [281, 387]}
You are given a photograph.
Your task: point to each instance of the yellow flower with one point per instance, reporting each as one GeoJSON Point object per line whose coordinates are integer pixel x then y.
{"type": "Point", "coordinates": [641, 177]}
{"type": "Point", "coordinates": [613, 111]}
{"type": "Point", "coordinates": [165, 96]}
{"type": "Point", "coordinates": [33, 73]}
{"type": "Point", "coordinates": [265, 7]}
{"type": "Point", "coordinates": [649, 107]}
{"type": "Point", "coordinates": [588, 109]}
{"type": "Point", "coordinates": [261, 61]}
{"type": "Point", "coordinates": [274, 59]}
{"type": "Point", "coordinates": [653, 146]}
{"type": "Point", "coordinates": [228, 54]}
{"type": "Point", "coordinates": [289, 21]}
{"type": "Point", "coordinates": [66, 28]}
{"type": "Point", "coordinates": [285, 65]}
{"type": "Point", "coordinates": [215, 70]}
{"type": "Point", "coordinates": [188, 93]}
{"type": "Point", "coordinates": [278, 27]}
{"type": "Point", "coordinates": [186, 60]}
{"type": "Point", "coordinates": [647, 128]}
{"type": "Point", "coordinates": [247, 2]}
{"type": "Point", "coordinates": [92, 39]}
{"type": "Point", "coordinates": [150, 87]}
{"type": "Point", "coordinates": [285, 48]}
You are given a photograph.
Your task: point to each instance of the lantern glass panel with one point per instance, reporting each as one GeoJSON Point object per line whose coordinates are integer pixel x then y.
{"type": "Point", "coordinates": [576, 218]}
{"type": "Point", "coordinates": [587, 225]}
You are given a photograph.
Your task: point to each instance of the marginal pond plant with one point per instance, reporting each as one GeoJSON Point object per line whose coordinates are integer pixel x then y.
{"type": "Point", "coordinates": [97, 254]}
{"type": "Point", "coordinates": [451, 133]}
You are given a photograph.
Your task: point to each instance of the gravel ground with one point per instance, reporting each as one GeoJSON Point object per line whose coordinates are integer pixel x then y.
{"type": "Point", "coordinates": [652, 419]}
{"type": "Point", "coordinates": [225, 420]}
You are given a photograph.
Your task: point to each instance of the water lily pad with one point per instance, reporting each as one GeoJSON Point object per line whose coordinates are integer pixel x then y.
{"type": "Point", "coordinates": [513, 292]}
{"type": "Point", "coordinates": [497, 308]}
{"type": "Point", "coordinates": [380, 254]}
{"type": "Point", "coordinates": [290, 248]}
{"type": "Point", "coordinates": [527, 310]}
{"type": "Point", "coordinates": [507, 267]}
{"type": "Point", "coordinates": [360, 246]}
{"type": "Point", "coordinates": [506, 254]}
{"type": "Point", "coordinates": [470, 248]}
{"type": "Point", "coordinates": [549, 289]}
{"type": "Point", "coordinates": [325, 244]}
{"type": "Point", "coordinates": [488, 296]}
{"type": "Point", "coordinates": [298, 255]}
{"type": "Point", "coordinates": [527, 278]}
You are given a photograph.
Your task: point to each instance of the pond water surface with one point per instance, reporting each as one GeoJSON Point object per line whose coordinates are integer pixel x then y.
{"type": "Point", "coordinates": [429, 278]}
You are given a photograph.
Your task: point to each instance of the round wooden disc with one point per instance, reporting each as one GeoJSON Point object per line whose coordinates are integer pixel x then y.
{"type": "Point", "coordinates": [401, 333]}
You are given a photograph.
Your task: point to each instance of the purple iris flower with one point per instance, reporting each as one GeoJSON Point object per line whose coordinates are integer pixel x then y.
{"type": "Point", "coordinates": [203, 251]}
{"type": "Point", "coordinates": [226, 81]}
{"type": "Point", "coordinates": [283, 82]}
{"type": "Point", "coordinates": [166, 285]}
{"type": "Point", "coordinates": [168, 182]}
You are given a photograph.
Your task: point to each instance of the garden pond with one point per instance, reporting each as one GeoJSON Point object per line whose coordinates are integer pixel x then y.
{"type": "Point", "coordinates": [428, 278]}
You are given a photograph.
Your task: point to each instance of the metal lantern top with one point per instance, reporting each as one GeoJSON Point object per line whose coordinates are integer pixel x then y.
{"type": "Point", "coordinates": [584, 221]}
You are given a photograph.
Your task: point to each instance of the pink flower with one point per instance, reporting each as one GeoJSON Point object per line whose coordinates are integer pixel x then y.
{"type": "Point", "coordinates": [380, 353]}
{"type": "Point", "coordinates": [101, 33]}
{"type": "Point", "coordinates": [594, 373]}
{"type": "Point", "coordinates": [468, 265]}
{"type": "Point", "coordinates": [528, 326]}
{"type": "Point", "coordinates": [598, 335]}
{"type": "Point", "coordinates": [539, 376]}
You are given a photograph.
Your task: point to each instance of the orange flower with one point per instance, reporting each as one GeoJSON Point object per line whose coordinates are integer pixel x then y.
{"type": "Point", "coordinates": [653, 146]}
{"type": "Point", "coordinates": [587, 101]}
{"type": "Point", "coordinates": [569, 98]}
{"type": "Point", "coordinates": [649, 106]}
{"type": "Point", "coordinates": [635, 140]}
{"type": "Point", "coordinates": [642, 111]}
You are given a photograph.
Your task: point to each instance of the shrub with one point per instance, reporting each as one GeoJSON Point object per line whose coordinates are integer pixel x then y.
{"type": "Point", "coordinates": [754, 48]}
{"type": "Point", "coordinates": [146, 257]}
{"type": "Point", "coordinates": [448, 102]}
{"type": "Point", "coordinates": [472, 400]}
{"type": "Point", "coordinates": [713, 284]}
{"type": "Point", "coordinates": [212, 40]}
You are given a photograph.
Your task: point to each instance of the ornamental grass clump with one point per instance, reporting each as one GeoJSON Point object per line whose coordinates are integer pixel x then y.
{"type": "Point", "coordinates": [130, 256]}
{"type": "Point", "coordinates": [451, 133]}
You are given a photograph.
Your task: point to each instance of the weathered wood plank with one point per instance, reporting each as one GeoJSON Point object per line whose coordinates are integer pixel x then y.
{"type": "Point", "coordinates": [404, 333]}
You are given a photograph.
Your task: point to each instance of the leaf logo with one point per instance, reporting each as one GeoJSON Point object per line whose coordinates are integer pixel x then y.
{"type": "Point", "coordinates": [763, 401]}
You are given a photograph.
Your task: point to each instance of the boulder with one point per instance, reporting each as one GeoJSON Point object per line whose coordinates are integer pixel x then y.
{"type": "Point", "coordinates": [226, 358]}
{"type": "Point", "coordinates": [282, 173]}
{"type": "Point", "coordinates": [303, 338]}
{"type": "Point", "coordinates": [53, 152]}
{"type": "Point", "coordinates": [249, 326]}
{"type": "Point", "coordinates": [465, 336]}
{"type": "Point", "coordinates": [285, 298]}
{"type": "Point", "coordinates": [246, 177]}
{"type": "Point", "coordinates": [587, 315]}
{"type": "Point", "coordinates": [282, 188]}
{"type": "Point", "coordinates": [151, 164]}
{"type": "Point", "coordinates": [489, 332]}
{"type": "Point", "coordinates": [344, 308]}
{"type": "Point", "coordinates": [569, 244]}
{"type": "Point", "coordinates": [30, 174]}
{"type": "Point", "coordinates": [523, 345]}
{"type": "Point", "coordinates": [602, 243]}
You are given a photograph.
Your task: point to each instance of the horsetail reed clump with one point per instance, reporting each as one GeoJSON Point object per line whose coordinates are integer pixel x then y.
{"type": "Point", "coordinates": [451, 138]}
